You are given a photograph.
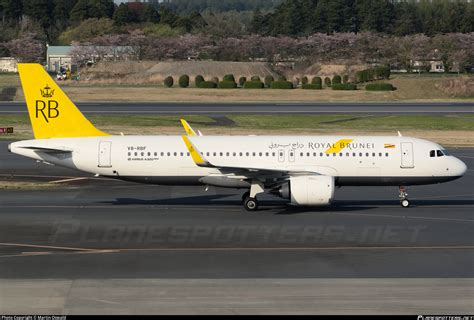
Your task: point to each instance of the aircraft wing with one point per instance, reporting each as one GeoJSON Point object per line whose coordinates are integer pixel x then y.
{"type": "Point", "coordinates": [189, 130]}
{"type": "Point", "coordinates": [251, 172]}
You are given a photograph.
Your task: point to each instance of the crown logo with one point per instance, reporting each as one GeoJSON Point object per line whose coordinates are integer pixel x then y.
{"type": "Point", "coordinates": [47, 92]}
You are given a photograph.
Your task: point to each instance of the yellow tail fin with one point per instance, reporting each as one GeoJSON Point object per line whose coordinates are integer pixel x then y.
{"type": "Point", "coordinates": [52, 113]}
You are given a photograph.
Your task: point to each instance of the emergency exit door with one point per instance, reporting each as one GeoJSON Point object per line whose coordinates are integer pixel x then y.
{"type": "Point", "coordinates": [105, 154]}
{"type": "Point", "coordinates": [408, 160]}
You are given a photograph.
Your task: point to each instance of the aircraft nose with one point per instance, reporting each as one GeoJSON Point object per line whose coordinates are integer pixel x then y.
{"type": "Point", "coordinates": [460, 168]}
{"type": "Point", "coordinates": [10, 147]}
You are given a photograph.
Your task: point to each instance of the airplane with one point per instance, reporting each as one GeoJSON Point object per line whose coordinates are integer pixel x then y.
{"type": "Point", "coordinates": [304, 170]}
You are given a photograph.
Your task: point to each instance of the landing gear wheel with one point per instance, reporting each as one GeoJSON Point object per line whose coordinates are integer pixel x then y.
{"type": "Point", "coordinates": [251, 204]}
{"type": "Point", "coordinates": [245, 196]}
{"type": "Point", "coordinates": [405, 203]}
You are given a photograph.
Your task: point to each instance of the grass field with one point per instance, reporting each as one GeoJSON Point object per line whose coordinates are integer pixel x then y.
{"type": "Point", "coordinates": [409, 88]}
{"type": "Point", "coordinates": [450, 130]}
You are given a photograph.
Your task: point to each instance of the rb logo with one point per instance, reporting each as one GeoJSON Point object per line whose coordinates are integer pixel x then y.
{"type": "Point", "coordinates": [49, 110]}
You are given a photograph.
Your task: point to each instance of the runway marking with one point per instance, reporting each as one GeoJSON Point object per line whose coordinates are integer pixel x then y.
{"type": "Point", "coordinates": [255, 249]}
{"type": "Point", "coordinates": [401, 216]}
{"type": "Point", "coordinates": [52, 177]}
{"type": "Point", "coordinates": [98, 300]}
{"type": "Point", "coordinates": [446, 196]}
{"type": "Point", "coordinates": [69, 180]}
{"type": "Point", "coordinates": [43, 246]}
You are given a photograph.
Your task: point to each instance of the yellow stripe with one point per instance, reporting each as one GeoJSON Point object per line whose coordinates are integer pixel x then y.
{"type": "Point", "coordinates": [189, 131]}
{"type": "Point", "coordinates": [339, 146]}
{"type": "Point", "coordinates": [198, 159]}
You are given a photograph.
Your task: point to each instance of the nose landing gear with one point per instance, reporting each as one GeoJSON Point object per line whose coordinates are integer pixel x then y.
{"type": "Point", "coordinates": [404, 202]}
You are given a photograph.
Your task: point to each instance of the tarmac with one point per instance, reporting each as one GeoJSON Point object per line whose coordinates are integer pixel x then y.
{"type": "Point", "coordinates": [117, 108]}
{"type": "Point", "coordinates": [98, 246]}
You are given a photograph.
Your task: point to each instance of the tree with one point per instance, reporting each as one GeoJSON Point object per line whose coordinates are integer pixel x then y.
{"type": "Point", "coordinates": [169, 82]}
{"type": "Point", "coordinates": [150, 14]}
{"type": "Point", "coordinates": [10, 10]}
{"type": "Point", "coordinates": [85, 9]}
{"type": "Point", "coordinates": [87, 30]}
{"type": "Point", "coordinates": [184, 81]}
{"type": "Point", "coordinates": [27, 48]}
{"type": "Point", "coordinates": [375, 15]}
{"type": "Point", "coordinates": [123, 15]}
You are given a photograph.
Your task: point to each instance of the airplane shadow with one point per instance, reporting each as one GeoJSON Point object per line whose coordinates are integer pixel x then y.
{"type": "Point", "coordinates": [282, 207]}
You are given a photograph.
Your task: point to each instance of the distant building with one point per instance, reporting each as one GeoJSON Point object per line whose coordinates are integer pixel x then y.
{"type": "Point", "coordinates": [69, 57]}
{"type": "Point", "coordinates": [8, 64]}
{"type": "Point", "coordinates": [57, 57]}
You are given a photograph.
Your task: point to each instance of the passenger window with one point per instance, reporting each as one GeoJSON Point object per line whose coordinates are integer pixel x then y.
{"type": "Point", "coordinates": [341, 154]}
{"type": "Point", "coordinates": [432, 153]}
{"type": "Point", "coordinates": [334, 154]}
{"type": "Point", "coordinates": [321, 154]}
{"type": "Point", "coordinates": [273, 154]}
{"type": "Point", "coordinates": [380, 154]}
{"type": "Point", "coordinates": [386, 154]}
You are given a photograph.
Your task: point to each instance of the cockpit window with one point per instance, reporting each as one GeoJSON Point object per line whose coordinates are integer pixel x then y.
{"type": "Point", "coordinates": [445, 152]}
{"type": "Point", "coordinates": [432, 153]}
{"type": "Point", "coordinates": [439, 153]}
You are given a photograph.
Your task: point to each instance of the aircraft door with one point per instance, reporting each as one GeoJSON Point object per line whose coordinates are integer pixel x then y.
{"type": "Point", "coordinates": [105, 154]}
{"type": "Point", "coordinates": [408, 160]}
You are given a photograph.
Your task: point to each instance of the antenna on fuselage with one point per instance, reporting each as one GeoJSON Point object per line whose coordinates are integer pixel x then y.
{"type": "Point", "coordinates": [400, 134]}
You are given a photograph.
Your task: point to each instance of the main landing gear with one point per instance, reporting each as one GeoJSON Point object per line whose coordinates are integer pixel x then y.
{"type": "Point", "coordinates": [404, 202]}
{"type": "Point", "coordinates": [249, 199]}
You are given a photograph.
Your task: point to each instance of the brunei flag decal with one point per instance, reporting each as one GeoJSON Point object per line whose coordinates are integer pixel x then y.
{"type": "Point", "coordinates": [389, 146]}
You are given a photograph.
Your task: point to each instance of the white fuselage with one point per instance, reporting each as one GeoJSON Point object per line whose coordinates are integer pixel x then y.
{"type": "Point", "coordinates": [165, 160]}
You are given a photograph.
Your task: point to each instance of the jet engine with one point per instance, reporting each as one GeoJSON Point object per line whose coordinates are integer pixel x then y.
{"type": "Point", "coordinates": [308, 190]}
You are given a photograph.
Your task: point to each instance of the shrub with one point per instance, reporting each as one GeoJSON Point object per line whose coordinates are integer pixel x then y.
{"type": "Point", "coordinates": [379, 87]}
{"type": "Point", "coordinates": [198, 80]}
{"type": "Point", "coordinates": [370, 74]}
{"type": "Point", "coordinates": [242, 81]}
{"type": "Point", "coordinates": [304, 80]}
{"type": "Point", "coordinates": [282, 85]}
{"type": "Point", "coordinates": [215, 80]}
{"type": "Point", "coordinates": [312, 86]}
{"type": "Point", "coordinates": [344, 86]}
{"type": "Point", "coordinates": [208, 85]}
{"type": "Point", "coordinates": [184, 81]}
{"type": "Point", "coordinates": [318, 81]}
{"type": "Point", "coordinates": [253, 85]}
{"type": "Point", "coordinates": [382, 72]}
{"type": "Point", "coordinates": [255, 78]}
{"type": "Point", "coordinates": [268, 81]}
{"type": "Point", "coordinates": [169, 81]}
{"type": "Point", "coordinates": [327, 81]}
{"type": "Point", "coordinates": [227, 85]}
{"type": "Point", "coordinates": [345, 79]}
{"type": "Point", "coordinates": [337, 79]}
{"type": "Point", "coordinates": [229, 78]}
{"type": "Point", "coordinates": [281, 78]}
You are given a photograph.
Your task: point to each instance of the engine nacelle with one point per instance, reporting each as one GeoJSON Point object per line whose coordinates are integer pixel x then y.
{"type": "Point", "coordinates": [309, 190]}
